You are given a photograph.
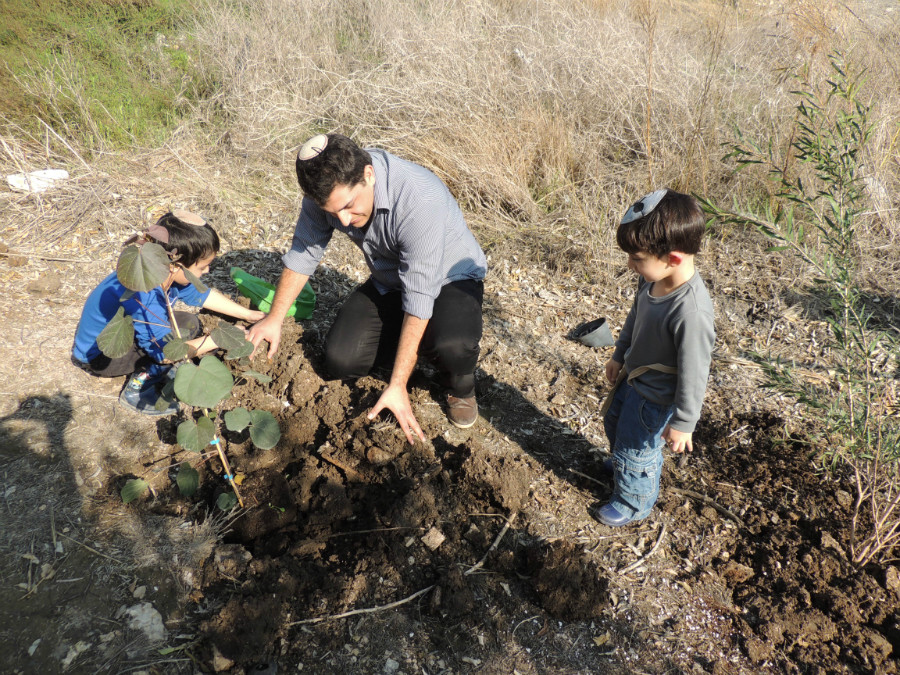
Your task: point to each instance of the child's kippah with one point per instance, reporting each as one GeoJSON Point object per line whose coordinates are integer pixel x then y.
{"type": "Point", "coordinates": [644, 206]}
{"type": "Point", "coordinates": [188, 218]}
{"type": "Point", "coordinates": [313, 147]}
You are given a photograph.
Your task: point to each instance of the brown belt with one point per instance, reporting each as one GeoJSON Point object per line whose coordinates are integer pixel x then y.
{"type": "Point", "coordinates": [637, 372]}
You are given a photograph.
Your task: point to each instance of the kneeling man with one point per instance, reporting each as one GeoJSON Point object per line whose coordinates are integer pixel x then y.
{"type": "Point", "coordinates": [424, 295]}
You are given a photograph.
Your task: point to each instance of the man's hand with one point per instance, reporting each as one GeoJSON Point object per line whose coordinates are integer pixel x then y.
{"type": "Point", "coordinates": [396, 399]}
{"type": "Point", "coordinates": [268, 329]}
{"type": "Point", "coordinates": [679, 441]}
{"type": "Point", "coordinates": [612, 370]}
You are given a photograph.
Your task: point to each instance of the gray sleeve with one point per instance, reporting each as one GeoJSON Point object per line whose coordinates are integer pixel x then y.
{"type": "Point", "coordinates": [624, 340]}
{"type": "Point", "coordinates": [695, 337]}
{"type": "Point", "coordinates": [311, 236]}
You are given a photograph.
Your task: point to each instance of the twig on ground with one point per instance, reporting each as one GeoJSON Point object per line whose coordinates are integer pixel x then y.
{"type": "Point", "coordinates": [349, 470]}
{"type": "Point", "coordinates": [20, 254]}
{"type": "Point", "coordinates": [640, 561]}
{"type": "Point", "coordinates": [366, 610]}
{"type": "Point", "coordinates": [706, 500]}
{"type": "Point", "coordinates": [92, 550]}
{"type": "Point", "coordinates": [379, 529]}
{"type": "Point", "coordinates": [493, 546]}
{"type": "Point", "coordinates": [421, 592]}
{"type": "Point", "coordinates": [586, 477]}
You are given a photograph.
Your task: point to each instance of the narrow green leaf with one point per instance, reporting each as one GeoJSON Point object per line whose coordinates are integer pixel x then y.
{"type": "Point", "coordinates": [227, 501]}
{"type": "Point", "coordinates": [188, 479]}
{"type": "Point", "coordinates": [264, 430]}
{"type": "Point", "coordinates": [117, 338]}
{"type": "Point", "coordinates": [204, 385]}
{"type": "Point", "coordinates": [259, 377]}
{"type": "Point", "coordinates": [237, 419]}
{"type": "Point", "coordinates": [142, 268]}
{"type": "Point", "coordinates": [195, 280]}
{"type": "Point", "coordinates": [133, 489]}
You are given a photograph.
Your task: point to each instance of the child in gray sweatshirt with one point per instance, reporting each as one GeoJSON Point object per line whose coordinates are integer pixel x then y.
{"type": "Point", "coordinates": [661, 360]}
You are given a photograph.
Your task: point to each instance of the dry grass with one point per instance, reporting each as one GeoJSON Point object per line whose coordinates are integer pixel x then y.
{"type": "Point", "coordinates": [546, 119]}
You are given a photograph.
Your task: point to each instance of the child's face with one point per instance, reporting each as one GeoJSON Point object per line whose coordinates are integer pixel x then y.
{"type": "Point", "coordinates": [649, 266]}
{"type": "Point", "coordinates": [198, 269]}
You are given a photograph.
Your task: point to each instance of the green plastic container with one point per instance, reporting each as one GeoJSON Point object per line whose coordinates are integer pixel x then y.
{"type": "Point", "coordinates": [261, 294]}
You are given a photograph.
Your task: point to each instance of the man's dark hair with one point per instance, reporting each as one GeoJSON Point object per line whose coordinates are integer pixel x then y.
{"type": "Point", "coordinates": [676, 224]}
{"type": "Point", "coordinates": [194, 242]}
{"type": "Point", "coordinates": [341, 162]}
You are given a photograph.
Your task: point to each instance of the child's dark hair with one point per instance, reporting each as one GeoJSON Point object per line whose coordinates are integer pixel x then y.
{"type": "Point", "coordinates": [676, 224]}
{"type": "Point", "coordinates": [194, 242]}
{"type": "Point", "coordinates": [341, 162]}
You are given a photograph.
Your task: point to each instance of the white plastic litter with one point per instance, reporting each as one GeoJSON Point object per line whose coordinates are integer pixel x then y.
{"type": "Point", "coordinates": [36, 181]}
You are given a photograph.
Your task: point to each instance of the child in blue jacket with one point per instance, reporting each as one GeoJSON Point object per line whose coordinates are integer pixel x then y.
{"type": "Point", "coordinates": [197, 244]}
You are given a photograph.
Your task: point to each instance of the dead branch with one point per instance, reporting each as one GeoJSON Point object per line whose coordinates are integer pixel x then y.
{"type": "Point", "coordinates": [349, 470]}
{"type": "Point", "coordinates": [419, 593]}
{"type": "Point", "coordinates": [366, 610]}
{"type": "Point", "coordinates": [640, 561]}
{"type": "Point", "coordinates": [706, 500]}
{"type": "Point", "coordinates": [493, 546]}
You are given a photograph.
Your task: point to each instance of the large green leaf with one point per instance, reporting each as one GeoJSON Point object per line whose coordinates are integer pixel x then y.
{"type": "Point", "coordinates": [204, 385]}
{"type": "Point", "coordinates": [228, 336]}
{"type": "Point", "coordinates": [117, 338]}
{"type": "Point", "coordinates": [227, 501]}
{"type": "Point", "coordinates": [195, 436]}
{"type": "Point", "coordinates": [264, 430]}
{"type": "Point", "coordinates": [239, 352]}
{"type": "Point", "coordinates": [188, 479]}
{"type": "Point", "coordinates": [237, 419]}
{"type": "Point", "coordinates": [133, 489]}
{"type": "Point", "coordinates": [142, 268]}
{"type": "Point", "coordinates": [175, 348]}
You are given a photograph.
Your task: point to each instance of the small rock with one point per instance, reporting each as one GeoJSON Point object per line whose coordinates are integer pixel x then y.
{"type": "Point", "coordinates": [140, 592]}
{"type": "Point", "coordinates": [830, 542]}
{"type": "Point", "coordinates": [221, 662]}
{"type": "Point", "coordinates": [844, 499]}
{"type": "Point", "coordinates": [144, 617]}
{"type": "Point", "coordinates": [232, 559]}
{"type": "Point", "coordinates": [735, 573]}
{"type": "Point", "coordinates": [73, 653]}
{"type": "Point", "coordinates": [391, 666]}
{"type": "Point", "coordinates": [377, 456]}
{"type": "Point", "coordinates": [757, 650]}
{"type": "Point", "coordinates": [433, 538]}
{"type": "Point", "coordinates": [892, 579]}
{"type": "Point", "coordinates": [46, 284]}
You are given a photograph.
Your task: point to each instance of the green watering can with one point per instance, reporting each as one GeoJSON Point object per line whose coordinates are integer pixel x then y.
{"type": "Point", "coordinates": [261, 294]}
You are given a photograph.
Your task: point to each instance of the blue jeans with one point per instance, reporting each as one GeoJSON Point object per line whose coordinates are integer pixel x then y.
{"type": "Point", "coordinates": [634, 428]}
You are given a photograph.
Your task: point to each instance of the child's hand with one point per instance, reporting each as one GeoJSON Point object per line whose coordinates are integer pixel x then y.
{"type": "Point", "coordinates": [678, 441]}
{"type": "Point", "coordinates": [254, 315]}
{"type": "Point", "coordinates": [612, 370]}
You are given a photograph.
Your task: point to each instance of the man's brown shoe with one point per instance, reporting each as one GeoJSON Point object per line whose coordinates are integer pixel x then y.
{"type": "Point", "coordinates": [462, 412]}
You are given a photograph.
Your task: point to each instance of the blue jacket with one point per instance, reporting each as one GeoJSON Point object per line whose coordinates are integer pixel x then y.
{"type": "Point", "coordinates": [151, 320]}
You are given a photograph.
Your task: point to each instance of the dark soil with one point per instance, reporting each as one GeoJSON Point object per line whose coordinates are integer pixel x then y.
{"type": "Point", "coordinates": [345, 518]}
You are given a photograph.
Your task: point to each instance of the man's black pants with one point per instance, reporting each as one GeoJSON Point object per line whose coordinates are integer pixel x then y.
{"type": "Point", "coordinates": [366, 333]}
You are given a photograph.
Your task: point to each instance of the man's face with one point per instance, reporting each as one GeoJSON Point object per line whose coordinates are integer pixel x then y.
{"type": "Point", "coordinates": [353, 204]}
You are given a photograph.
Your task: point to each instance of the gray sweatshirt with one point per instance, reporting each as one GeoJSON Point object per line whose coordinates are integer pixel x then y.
{"type": "Point", "coordinates": [676, 330]}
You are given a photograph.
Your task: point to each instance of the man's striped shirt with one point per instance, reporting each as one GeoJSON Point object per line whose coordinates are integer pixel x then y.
{"type": "Point", "coordinates": [416, 242]}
